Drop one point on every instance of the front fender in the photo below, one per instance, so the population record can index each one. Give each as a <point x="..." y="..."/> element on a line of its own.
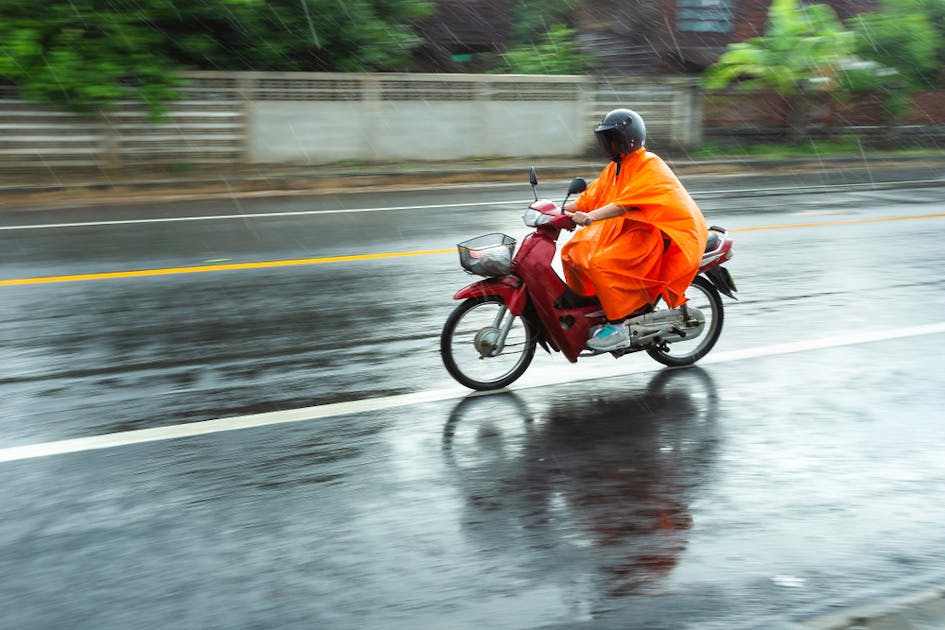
<point x="509" y="288"/>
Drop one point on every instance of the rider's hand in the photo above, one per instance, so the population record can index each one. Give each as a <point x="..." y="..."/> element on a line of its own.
<point x="581" y="218"/>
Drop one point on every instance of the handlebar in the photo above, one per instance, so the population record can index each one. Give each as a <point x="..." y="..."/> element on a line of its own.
<point x="563" y="222"/>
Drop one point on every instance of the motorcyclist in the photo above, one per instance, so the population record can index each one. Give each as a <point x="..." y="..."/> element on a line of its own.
<point x="643" y="235"/>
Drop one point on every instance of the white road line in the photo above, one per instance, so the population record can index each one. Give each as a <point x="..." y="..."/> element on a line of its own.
<point x="127" y="438"/>
<point x="263" y="215"/>
<point x="523" y="203"/>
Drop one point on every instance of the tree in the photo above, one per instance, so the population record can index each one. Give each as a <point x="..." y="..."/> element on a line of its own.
<point x="897" y="48"/>
<point x="88" y="54"/>
<point x="532" y="19"/>
<point x="81" y="54"/>
<point x="542" y="39"/>
<point x="935" y="10"/>
<point x="556" y="53"/>
<point x="800" y="52"/>
<point x="901" y="36"/>
<point x="286" y="35"/>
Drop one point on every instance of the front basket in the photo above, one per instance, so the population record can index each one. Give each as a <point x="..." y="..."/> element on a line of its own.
<point x="488" y="255"/>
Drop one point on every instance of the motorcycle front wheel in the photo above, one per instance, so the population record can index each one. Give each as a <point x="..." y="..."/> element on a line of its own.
<point x="703" y="296"/>
<point x="475" y="348"/>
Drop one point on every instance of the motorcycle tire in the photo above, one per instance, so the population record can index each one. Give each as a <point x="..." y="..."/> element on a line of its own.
<point x="466" y="326"/>
<point x="706" y="298"/>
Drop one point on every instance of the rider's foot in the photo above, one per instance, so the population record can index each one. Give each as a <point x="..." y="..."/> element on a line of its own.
<point x="613" y="336"/>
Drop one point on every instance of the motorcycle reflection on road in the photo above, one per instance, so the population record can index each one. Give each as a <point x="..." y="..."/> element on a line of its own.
<point x="593" y="489"/>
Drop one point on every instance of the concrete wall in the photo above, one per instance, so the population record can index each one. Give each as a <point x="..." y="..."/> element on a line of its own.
<point x="310" y="118"/>
<point x="425" y="130"/>
<point x="296" y="132"/>
<point x="434" y="117"/>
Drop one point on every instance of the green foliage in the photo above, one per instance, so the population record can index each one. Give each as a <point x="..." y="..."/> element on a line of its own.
<point x="841" y="146"/>
<point x="801" y="49"/>
<point x="80" y="53"/>
<point x="287" y="35"/>
<point x="934" y="13"/>
<point x="541" y="40"/>
<point x="556" y="53"/>
<point x="532" y="19"/>
<point x="902" y="39"/>
<point x="897" y="53"/>
<point x="88" y="54"/>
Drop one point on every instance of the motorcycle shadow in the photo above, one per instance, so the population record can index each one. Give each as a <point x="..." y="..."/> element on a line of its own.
<point x="595" y="488"/>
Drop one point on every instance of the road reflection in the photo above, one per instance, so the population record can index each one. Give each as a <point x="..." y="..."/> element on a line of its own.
<point x="595" y="490"/>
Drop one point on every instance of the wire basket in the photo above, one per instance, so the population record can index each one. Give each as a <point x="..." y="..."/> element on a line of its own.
<point x="487" y="255"/>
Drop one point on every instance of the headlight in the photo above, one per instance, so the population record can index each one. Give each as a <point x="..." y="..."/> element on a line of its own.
<point x="534" y="218"/>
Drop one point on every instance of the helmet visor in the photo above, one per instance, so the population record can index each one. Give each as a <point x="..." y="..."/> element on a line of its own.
<point x="613" y="142"/>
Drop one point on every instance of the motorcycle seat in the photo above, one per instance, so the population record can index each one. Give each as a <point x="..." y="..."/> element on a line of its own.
<point x="716" y="235"/>
<point x="714" y="239"/>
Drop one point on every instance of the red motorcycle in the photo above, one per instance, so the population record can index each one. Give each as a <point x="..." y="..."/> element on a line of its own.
<point x="489" y="340"/>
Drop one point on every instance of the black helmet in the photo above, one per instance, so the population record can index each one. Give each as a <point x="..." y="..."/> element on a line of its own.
<point x="620" y="132"/>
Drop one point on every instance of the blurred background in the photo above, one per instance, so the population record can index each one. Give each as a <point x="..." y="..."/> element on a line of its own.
<point x="107" y="85"/>
<point x="228" y="238"/>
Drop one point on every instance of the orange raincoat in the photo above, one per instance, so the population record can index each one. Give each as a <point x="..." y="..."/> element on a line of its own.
<point x="625" y="260"/>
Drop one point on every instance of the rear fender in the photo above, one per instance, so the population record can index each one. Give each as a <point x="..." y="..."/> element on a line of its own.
<point x="720" y="277"/>
<point x="509" y="288"/>
<point x="718" y="251"/>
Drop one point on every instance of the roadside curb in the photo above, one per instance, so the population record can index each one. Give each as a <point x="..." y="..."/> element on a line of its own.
<point x="293" y="179"/>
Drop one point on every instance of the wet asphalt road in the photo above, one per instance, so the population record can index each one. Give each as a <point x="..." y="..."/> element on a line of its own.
<point x="797" y="470"/>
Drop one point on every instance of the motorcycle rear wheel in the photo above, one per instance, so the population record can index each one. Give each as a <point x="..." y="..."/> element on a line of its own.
<point x="704" y="296"/>
<point x="461" y="345"/>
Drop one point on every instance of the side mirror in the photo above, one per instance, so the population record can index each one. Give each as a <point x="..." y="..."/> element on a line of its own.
<point x="533" y="180"/>
<point x="577" y="185"/>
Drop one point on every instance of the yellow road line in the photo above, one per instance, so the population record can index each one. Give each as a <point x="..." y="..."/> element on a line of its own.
<point x="789" y="226"/>
<point x="424" y="252"/>
<point x="227" y="267"/>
